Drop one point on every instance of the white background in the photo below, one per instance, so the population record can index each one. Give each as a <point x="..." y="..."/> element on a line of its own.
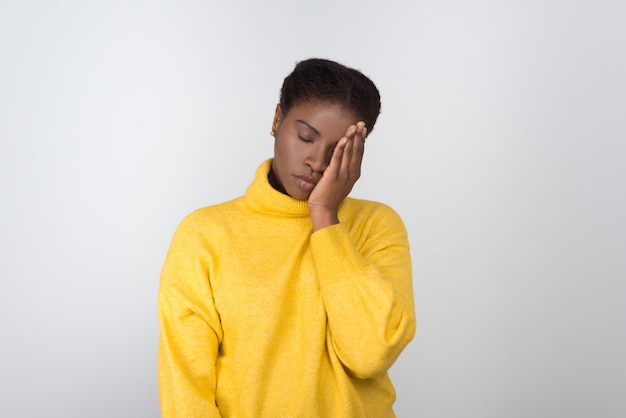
<point x="502" y="144"/>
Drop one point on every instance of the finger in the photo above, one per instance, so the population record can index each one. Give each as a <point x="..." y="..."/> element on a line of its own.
<point x="334" y="167"/>
<point x="339" y="153"/>
<point x="359" y="137"/>
<point x="356" y="151"/>
<point x="348" y="155"/>
<point x="350" y="131"/>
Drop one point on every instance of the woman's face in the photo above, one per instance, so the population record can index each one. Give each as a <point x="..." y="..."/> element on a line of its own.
<point x="305" y="139"/>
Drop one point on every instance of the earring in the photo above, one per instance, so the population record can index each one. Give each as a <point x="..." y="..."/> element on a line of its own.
<point x="273" y="132"/>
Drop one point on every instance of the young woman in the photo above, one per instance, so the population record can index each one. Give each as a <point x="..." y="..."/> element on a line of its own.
<point x="293" y="300"/>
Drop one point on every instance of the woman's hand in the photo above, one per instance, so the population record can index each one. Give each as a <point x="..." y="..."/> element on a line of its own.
<point x="342" y="173"/>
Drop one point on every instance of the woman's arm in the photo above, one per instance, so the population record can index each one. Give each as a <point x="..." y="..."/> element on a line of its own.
<point x="190" y="330"/>
<point x="187" y="353"/>
<point x="367" y="292"/>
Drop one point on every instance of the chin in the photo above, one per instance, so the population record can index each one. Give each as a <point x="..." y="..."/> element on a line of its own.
<point x="300" y="196"/>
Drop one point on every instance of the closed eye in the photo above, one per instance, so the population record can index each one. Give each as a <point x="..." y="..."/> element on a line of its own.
<point x="303" y="139"/>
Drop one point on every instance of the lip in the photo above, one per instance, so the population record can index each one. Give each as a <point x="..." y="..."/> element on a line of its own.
<point x="306" y="183"/>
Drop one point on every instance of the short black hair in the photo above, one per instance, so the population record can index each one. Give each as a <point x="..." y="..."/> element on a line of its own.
<point x="324" y="80"/>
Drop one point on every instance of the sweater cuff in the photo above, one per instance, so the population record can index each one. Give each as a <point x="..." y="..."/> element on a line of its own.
<point x="335" y="254"/>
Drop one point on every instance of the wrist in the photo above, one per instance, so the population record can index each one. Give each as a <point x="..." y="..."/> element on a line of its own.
<point x="323" y="217"/>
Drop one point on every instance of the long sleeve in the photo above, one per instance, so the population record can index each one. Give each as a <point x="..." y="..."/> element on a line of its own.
<point x="260" y="317"/>
<point x="367" y="291"/>
<point x="190" y="330"/>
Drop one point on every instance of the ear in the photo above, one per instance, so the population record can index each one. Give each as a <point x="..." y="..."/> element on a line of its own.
<point x="278" y="114"/>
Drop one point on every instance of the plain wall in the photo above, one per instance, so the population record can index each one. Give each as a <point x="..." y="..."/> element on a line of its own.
<point x="502" y="143"/>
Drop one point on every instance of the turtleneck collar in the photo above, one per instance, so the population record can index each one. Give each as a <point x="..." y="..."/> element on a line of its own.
<point x="262" y="197"/>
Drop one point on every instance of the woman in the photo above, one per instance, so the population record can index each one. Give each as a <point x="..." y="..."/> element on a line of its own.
<point x="293" y="300"/>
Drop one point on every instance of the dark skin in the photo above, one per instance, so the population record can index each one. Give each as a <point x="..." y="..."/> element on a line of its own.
<point x="317" y="157"/>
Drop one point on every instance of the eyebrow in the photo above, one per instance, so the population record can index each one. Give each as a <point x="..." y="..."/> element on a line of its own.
<point x="310" y="127"/>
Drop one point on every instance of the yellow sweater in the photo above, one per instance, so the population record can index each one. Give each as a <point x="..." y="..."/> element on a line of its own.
<point x="260" y="317"/>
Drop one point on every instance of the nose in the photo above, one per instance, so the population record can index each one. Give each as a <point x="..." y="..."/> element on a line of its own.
<point x="318" y="159"/>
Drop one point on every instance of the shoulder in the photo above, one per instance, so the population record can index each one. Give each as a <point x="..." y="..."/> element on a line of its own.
<point x="373" y="225"/>
<point x="210" y="216"/>
<point x="371" y="218"/>
<point x="362" y="208"/>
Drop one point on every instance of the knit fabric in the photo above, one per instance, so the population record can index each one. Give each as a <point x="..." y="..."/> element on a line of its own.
<point x="261" y="317"/>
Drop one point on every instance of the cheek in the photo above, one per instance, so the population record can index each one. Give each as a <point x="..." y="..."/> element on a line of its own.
<point x="284" y="156"/>
<point x="289" y="150"/>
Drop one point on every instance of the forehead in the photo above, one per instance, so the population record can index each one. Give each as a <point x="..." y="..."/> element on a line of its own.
<point x="326" y="117"/>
